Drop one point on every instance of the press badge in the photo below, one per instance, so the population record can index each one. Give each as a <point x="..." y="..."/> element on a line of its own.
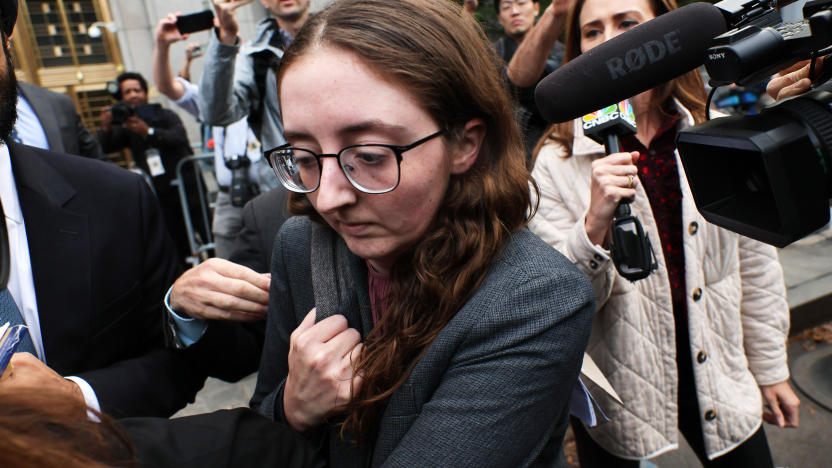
<point x="154" y="162"/>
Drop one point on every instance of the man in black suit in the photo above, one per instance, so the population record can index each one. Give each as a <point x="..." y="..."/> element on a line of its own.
<point x="55" y="116"/>
<point x="90" y="262"/>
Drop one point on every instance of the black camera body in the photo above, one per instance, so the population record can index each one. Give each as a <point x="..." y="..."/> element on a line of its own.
<point x="765" y="44"/>
<point x="121" y="111"/>
<point x="766" y="176"/>
<point x="241" y="189"/>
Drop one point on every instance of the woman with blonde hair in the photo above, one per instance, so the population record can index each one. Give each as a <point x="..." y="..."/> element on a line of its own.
<point x="414" y="320"/>
<point x="699" y="345"/>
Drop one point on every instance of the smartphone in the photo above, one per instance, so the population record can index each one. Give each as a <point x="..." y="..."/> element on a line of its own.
<point x="195" y="22"/>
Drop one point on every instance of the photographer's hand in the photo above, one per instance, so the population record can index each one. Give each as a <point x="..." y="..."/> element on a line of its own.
<point x="106" y="120"/>
<point x="166" y="31"/>
<point x="793" y="80"/>
<point x="227" y="20"/>
<point x="137" y="126"/>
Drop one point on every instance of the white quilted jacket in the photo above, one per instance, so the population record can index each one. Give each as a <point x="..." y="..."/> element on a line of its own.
<point x="738" y="316"/>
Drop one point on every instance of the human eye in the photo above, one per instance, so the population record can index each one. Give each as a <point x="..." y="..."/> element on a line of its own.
<point x="629" y="24"/>
<point x="299" y="157"/>
<point x="591" y="33"/>
<point x="371" y="155"/>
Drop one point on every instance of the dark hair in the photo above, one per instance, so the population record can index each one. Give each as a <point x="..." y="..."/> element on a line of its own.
<point x="688" y="89"/>
<point x="441" y="56"/>
<point x="40" y="428"/>
<point x="130" y="76"/>
<point x="497" y="5"/>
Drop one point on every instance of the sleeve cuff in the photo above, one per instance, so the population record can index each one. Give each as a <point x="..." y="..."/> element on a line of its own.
<point x="591" y="259"/>
<point x="221" y="49"/>
<point x="89" y="397"/>
<point x="186" y="331"/>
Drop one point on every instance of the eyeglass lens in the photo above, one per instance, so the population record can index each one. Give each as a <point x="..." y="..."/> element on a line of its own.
<point x="369" y="168"/>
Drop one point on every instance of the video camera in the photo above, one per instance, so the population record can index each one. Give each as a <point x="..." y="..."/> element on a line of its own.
<point x="122" y="111"/>
<point x="765" y="176"/>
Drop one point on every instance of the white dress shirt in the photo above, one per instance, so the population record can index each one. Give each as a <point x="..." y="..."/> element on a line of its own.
<point x="28" y="127"/>
<point x="21" y="283"/>
<point x="235" y="139"/>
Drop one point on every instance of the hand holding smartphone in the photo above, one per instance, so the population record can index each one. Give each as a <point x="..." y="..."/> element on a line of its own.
<point x="195" y="22"/>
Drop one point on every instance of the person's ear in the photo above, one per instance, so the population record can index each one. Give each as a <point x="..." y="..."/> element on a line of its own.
<point x="467" y="150"/>
<point x="536" y="9"/>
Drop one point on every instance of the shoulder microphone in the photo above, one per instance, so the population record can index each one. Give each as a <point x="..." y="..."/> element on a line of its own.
<point x="631" y="250"/>
<point x="648" y="55"/>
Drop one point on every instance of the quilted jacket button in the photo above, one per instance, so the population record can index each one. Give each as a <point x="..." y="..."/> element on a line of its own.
<point x="693" y="228"/>
<point x="701" y="357"/>
<point x="697" y="294"/>
<point x="710" y="415"/>
<point x="597" y="257"/>
<point x="593" y="264"/>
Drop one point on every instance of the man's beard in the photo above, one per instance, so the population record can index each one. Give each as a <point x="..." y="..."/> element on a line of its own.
<point x="8" y="100"/>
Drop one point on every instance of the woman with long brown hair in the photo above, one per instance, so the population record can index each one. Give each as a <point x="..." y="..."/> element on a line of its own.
<point x="42" y="428"/>
<point x="696" y="344"/>
<point x="413" y="320"/>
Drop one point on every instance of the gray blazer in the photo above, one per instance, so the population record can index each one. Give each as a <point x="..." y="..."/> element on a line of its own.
<point x="63" y="127"/>
<point x="492" y="389"/>
<point x="228" y="89"/>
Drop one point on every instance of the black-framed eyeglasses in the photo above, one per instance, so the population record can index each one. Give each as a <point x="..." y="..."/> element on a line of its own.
<point x="370" y="168"/>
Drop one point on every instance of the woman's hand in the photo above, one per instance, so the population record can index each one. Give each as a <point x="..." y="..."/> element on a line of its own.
<point x="321" y="359"/>
<point x="614" y="178"/>
<point x="781" y="404"/>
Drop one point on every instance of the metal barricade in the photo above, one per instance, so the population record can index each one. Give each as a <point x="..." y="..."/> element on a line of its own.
<point x="201" y="241"/>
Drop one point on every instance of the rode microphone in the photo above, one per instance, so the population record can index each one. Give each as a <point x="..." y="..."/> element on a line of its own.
<point x="642" y="58"/>
<point x="631" y="250"/>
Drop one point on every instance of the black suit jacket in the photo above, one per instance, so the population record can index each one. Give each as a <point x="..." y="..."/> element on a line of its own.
<point x="64" y="130"/>
<point x="262" y="217"/>
<point x="101" y="263"/>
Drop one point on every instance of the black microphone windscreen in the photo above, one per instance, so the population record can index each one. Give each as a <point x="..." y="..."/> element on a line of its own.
<point x="640" y="59"/>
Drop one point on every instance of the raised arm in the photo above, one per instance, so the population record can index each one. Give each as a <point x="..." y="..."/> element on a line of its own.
<point x="227" y="90"/>
<point x="166" y="34"/>
<point x="529" y="61"/>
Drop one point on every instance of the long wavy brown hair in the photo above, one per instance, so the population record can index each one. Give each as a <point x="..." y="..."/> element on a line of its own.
<point x="40" y="428"/>
<point x="688" y="89"/>
<point x="441" y="56"/>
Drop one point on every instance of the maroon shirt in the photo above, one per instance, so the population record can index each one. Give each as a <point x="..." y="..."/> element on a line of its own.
<point x="380" y="287"/>
<point x="659" y="175"/>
